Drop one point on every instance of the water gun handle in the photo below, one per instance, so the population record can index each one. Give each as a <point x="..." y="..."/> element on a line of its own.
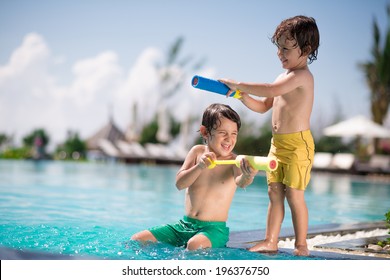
<point x="257" y="162"/>
<point x="215" y="86"/>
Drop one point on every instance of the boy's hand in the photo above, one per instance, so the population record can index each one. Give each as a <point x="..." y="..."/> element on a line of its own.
<point x="243" y="96"/>
<point x="246" y="169"/>
<point x="248" y="173"/>
<point x="231" y="84"/>
<point x="206" y="159"/>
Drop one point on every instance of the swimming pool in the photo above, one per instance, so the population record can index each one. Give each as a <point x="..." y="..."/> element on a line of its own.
<point x="91" y="209"/>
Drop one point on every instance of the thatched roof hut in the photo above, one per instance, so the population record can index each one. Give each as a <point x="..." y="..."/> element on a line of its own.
<point x="103" y="138"/>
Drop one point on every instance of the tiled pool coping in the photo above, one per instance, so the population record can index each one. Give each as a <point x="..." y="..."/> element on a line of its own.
<point x="345" y="250"/>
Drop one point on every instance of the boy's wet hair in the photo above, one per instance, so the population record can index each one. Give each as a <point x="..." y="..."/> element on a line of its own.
<point x="213" y="114"/>
<point x="304" y="30"/>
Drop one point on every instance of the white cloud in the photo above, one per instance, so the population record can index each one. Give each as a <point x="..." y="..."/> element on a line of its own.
<point x="32" y="54"/>
<point x="31" y="98"/>
<point x="25" y="84"/>
<point x="141" y="86"/>
<point x="97" y="77"/>
<point x="26" y="70"/>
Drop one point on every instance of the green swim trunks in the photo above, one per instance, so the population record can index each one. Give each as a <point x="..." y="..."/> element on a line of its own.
<point x="179" y="233"/>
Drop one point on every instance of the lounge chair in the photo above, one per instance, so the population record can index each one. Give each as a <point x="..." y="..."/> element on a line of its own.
<point x="108" y="148"/>
<point x="343" y="162"/>
<point x="322" y="161"/>
<point x="132" y="150"/>
<point x="376" y="164"/>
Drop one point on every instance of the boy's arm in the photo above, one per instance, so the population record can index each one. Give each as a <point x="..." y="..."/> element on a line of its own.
<point x="259" y="106"/>
<point x="283" y="84"/>
<point x="192" y="168"/>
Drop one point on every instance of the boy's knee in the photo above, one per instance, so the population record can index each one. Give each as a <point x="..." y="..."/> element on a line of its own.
<point x="276" y="191"/>
<point x="199" y="241"/>
<point x="135" y="236"/>
<point x="143" y="236"/>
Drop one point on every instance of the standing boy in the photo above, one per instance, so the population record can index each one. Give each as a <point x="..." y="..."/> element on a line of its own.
<point x="291" y="96"/>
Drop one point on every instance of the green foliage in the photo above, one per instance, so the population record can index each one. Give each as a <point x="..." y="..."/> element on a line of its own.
<point x="332" y="145"/>
<point x="3" y="139"/>
<point x="254" y="145"/>
<point x="73" y="147"/>
<point x="387" y="241"/>
<point x="249" y="143"/>
<point x="175" y="127"/>
<point x="7" y="152"/>
<point x="29" y="140"/>
<point x="16" y="153"/>
<point x="37" y="142"/>
<point x="387" y="215"/>
<point x="149" y="132"/>
<point x="377" y="72"/>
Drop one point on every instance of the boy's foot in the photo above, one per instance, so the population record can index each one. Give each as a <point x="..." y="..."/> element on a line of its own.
<point x="264" y="247"/>
<point x="301" y="250"/>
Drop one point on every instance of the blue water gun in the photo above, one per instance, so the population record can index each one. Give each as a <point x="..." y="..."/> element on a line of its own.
<point x="215" y="86"/>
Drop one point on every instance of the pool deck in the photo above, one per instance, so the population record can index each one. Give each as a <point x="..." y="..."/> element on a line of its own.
<point x="345" y="250"/>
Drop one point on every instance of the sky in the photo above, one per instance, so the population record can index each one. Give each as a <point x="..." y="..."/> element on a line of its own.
<point x="71" y="65"/>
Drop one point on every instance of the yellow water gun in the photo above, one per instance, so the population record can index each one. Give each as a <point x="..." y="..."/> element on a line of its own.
<point x="257" y="162"/>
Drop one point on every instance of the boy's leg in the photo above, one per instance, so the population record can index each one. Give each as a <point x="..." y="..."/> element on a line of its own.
<point x="300" y="219"/>
<point x="144" y="236"/>
<point x="210" y="234"/>
<point x="198" y="241"/>
<point x="275" y="216"/>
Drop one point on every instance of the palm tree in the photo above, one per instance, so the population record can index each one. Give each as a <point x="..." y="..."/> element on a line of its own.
<point x="172" y="76"/>
<point x="377" y="73"/>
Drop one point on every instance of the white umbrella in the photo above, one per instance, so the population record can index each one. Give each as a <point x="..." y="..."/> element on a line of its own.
<point x="357" y="126"/>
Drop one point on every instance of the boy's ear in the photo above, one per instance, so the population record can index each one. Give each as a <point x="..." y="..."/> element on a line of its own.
<point x="306" y="50"/>
<point x="203" y="131"/>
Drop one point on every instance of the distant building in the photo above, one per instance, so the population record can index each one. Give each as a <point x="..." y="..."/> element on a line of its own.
<point x="101" y="145"/>
<point x="110" y="143"/>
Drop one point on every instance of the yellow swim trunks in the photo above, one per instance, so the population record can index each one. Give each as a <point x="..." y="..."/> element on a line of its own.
<point x="295" y="154"/>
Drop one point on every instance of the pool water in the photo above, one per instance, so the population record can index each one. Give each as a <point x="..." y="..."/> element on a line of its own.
<point x="91" y="209"/>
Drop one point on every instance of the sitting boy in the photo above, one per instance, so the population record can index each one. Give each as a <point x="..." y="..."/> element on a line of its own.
<point x="209" y="192"/>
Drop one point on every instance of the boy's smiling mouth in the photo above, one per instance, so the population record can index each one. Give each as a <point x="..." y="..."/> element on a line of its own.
<point x="226" y="147"/>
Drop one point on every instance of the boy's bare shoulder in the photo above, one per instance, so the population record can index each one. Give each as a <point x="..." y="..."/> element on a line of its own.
<point x="303" y="77"/>
<point x="296" y="74"/>
<point x="198" y="148"/>
<point x="304" y="73"/>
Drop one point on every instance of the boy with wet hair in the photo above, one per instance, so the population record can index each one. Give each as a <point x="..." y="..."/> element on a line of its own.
<point x="291" y="97"/>
<point x="209" y="192"/>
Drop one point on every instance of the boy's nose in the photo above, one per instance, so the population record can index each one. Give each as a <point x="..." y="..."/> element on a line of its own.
<point x="229" y="138"/>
